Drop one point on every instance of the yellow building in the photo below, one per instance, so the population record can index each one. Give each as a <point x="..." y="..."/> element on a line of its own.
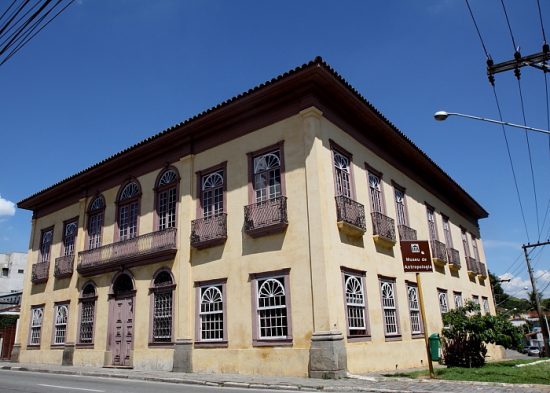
<point x="258" y="237"/>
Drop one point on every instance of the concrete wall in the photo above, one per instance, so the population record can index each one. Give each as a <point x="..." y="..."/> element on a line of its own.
<point x="16" y="263"/>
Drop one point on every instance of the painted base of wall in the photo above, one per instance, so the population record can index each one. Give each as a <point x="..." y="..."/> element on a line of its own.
<point x="327" y="355"/>
<point x="183" y="356"/>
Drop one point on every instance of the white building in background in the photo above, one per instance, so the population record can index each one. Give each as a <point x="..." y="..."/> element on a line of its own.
<point x="12" y="272"/>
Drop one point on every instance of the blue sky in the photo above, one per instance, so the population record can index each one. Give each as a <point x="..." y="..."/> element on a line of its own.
<point x="107" y="74"/>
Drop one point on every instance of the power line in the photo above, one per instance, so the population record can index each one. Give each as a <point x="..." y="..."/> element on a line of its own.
<point x="509" y="26"/>
<point x="541" y="24"/>
<point x="477" y="29"/>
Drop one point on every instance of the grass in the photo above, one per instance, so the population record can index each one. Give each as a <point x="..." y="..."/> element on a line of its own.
<point x="492" y="372"/>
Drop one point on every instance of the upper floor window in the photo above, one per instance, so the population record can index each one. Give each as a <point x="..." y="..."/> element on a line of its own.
<point x="474" y="247"/>
<point x="212" y="324"/>
<point x="212" y="193"/>
<point x="46" y="245"/>
<point x="356" y="305"/>
<point x="163" y="300"/>
<point x="400" y="207"/>
<point x="61" y="313"/>
<point x="87" y="314"/>
<point x="69" y="237"/>
<point x="447" y="232"/>
<point x="128" y="211"/>
<point x="267" y="176"/>
<point x="432" y="227"/>
<point x="167" y="195"/>
<point x="458" y="299"/>
<point x="342" y="174"/>
<point x="414" y="309"/>
<point x="389" y="307"/>
<point x="375" y="192"/>
<point x="465" y="243"/>
<point x="36" y="325"/>
<point x="95" y="222"/>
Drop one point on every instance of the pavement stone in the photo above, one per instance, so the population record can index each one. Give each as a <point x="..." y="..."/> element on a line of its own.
<point x="371" y="383"/>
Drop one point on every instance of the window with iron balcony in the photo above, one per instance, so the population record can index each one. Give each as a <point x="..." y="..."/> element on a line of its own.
<point x="453" y="256"/>
<point x="405" y="231"/>
<point x="383" y="227"/>
<point x="439" y="250"/>
<point x="64" y="263"/>
<point x="40" y="270"/>
<point x="350" y="215"/>
<point x="266" y="214"/>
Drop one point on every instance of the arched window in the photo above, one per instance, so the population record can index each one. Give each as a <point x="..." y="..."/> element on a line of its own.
<point x="69" y="236"/>
<point x="267" y="176"/>
<point x="355" y="305"/>
<point x="414" y="309"/>
<point x="272" y="308"/>
<point x="212" y="187"/>
<point x="36" y="325"/>
<point x="389" y="308"/>
<point x="60" y="323"/>
<point x="128" y="211"/>
<point x="45" y="245"/>
<point x="166" y="189"/>
<point x="162" y="308"/>
<point x="87" y="314"/>
<point x="95" y="222"/>
<point x="211" y="319"/>
<point x="443" y="303"/>
<point x="342" y="174"/>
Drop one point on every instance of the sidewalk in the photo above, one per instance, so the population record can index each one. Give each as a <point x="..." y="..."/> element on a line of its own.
<point x="375" y="383"/>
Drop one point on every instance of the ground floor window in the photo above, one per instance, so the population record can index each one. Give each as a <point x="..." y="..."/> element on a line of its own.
<point x="356" y="304"/>
<point x="36" y="325"/>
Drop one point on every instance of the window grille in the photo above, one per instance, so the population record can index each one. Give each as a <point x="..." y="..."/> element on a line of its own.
<point x="400" y="207"/>
<point x="211" y="313"/>
<point x="375" y="193"/>
<point x="267" y="176"/>
<point x="36" y="325"/>
<point x="355" y="306"/>
<point x="443" y="303"/>
<point x="458" y="299"/>
<point x="69" y="238"/>
<point x="45" y="245"/>
<point x="342" y="174"/>
<point x="414" y="309"/>
<point x="87" y="311"/>
<point x="212" y="194"/>
<point x="61" y="315"/>
<point x="272" y="309"/>
<point x="168" y="177"/>
<point x="389" y="308"/>
<point x="131" y="190"/>
<point x="162" y="308"/>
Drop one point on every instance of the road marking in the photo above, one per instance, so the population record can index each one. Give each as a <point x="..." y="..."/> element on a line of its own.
<point x="68" y="387"/>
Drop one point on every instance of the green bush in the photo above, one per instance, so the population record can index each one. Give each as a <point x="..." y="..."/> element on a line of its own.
<point x="467" y="332"/>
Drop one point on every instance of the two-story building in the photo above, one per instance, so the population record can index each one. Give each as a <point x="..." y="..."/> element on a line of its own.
<point x="260" y="236"/>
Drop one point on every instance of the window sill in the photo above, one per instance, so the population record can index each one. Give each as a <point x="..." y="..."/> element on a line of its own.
<point x="33" y="347"/>
<point x="210" y="344"/>
<point x="57" y="346"/>
<point x="283" y="342"/>
<point x="355" y="339"/>
<point x="415" y="336"/>
<point x="166" y="344"/>
<point x="85" y="346"/>
<point x="394" y="338"/>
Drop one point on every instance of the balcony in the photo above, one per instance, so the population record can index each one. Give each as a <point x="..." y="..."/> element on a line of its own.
<point x="383" y="230"/>
<point x="141" y="250"/>
<point x="350" y="216"/>
<point x="482" y="270"/>
<point x="40" y="272"/>
<point x="406" y="233"/>
<point x="453" y="258"/>
<point x="266" y="217"/>
<point x="439" y="253"/>
<point x="472" y="266"/>
<point x="63" y="266"/>
<point x="209" y="231"/>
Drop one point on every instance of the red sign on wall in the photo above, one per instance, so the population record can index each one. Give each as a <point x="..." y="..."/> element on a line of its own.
<point x="416" y="256"/>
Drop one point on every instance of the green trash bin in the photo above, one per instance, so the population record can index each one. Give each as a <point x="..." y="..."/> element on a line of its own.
<point x="435" y="344"/>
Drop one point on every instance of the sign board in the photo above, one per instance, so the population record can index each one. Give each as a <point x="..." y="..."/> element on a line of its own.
<point x="416" y="256"/>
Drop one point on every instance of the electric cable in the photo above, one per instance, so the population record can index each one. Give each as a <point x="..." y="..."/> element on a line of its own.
<point x="509" y="26"/>
<point x="7" y="9"/>
<point x="477" y="29"/>
<point x="541" y="24"/>
<point x="13" y="16"/>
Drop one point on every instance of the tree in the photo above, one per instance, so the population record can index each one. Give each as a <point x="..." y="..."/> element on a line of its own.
<point x="500" y="296"/>
<point x="467" y="332"/>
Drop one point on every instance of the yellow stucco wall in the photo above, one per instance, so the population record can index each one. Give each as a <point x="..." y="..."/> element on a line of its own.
<point x="312" y="248"/>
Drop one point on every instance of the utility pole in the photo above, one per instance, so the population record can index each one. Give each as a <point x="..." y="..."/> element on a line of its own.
<point x="543" y="326"/>
<point x="537" y="60"/>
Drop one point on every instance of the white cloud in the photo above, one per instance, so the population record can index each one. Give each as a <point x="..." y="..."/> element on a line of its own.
<point x="7" y="208"/>
<point x="516" y="286"/>
<point x="488" y="243"/>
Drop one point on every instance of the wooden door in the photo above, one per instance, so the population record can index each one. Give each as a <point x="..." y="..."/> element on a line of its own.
<point x="123" y="331"/>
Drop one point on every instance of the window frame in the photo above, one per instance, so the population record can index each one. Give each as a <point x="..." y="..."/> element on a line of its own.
<point x="405" y="210"/>
<point x="447" y="233"/>
<point x="485" y="308"/>
<point x="90" y="299"/>
<point x="99" y="215"/>
<point x="465" y="243"/>
<point x="442" y="294"/>
<point x="416" y="310"/>
<point x="154" y="291"/>
<point x="66" y="224"/>
<point x="30" y="343"/>
<point x="389" y="336"/>
<point x="458" y="296"/>
<point x="128" y="203"/>
<point x="251" y="156"/>
<point x="204" y="173"/>
<point x="43" y="233"/>
<point x="474" y="247"/>
<point x="379" y="176"/>
<point x="56" y="325"/>
<point x="210" y="343"/>
<point x="361" y="276"/>
<point x="166" y="188"/>
<point x="255" y="278"/>
<point x="336" y="149"/>
<point x="432" y="229"/>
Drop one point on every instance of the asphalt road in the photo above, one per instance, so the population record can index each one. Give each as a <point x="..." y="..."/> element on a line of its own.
<point x="29" y="382"/>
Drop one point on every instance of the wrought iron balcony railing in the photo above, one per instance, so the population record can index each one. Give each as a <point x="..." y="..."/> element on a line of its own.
<point x="40" y="272"/>
<point x="453" y="257"/>
<point x="383" y="226"/>
<point x="406" y="233"/>
<point x="350" y="216"/>
<point x="472" y="265"/>
<point x="265" y="217"/>
<point x="63" y="266"/>
<point x="439" y="251"/>
<point x="482" y="269"/>
<point x="140" y="250"/>
<point x="209" y="231"/>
